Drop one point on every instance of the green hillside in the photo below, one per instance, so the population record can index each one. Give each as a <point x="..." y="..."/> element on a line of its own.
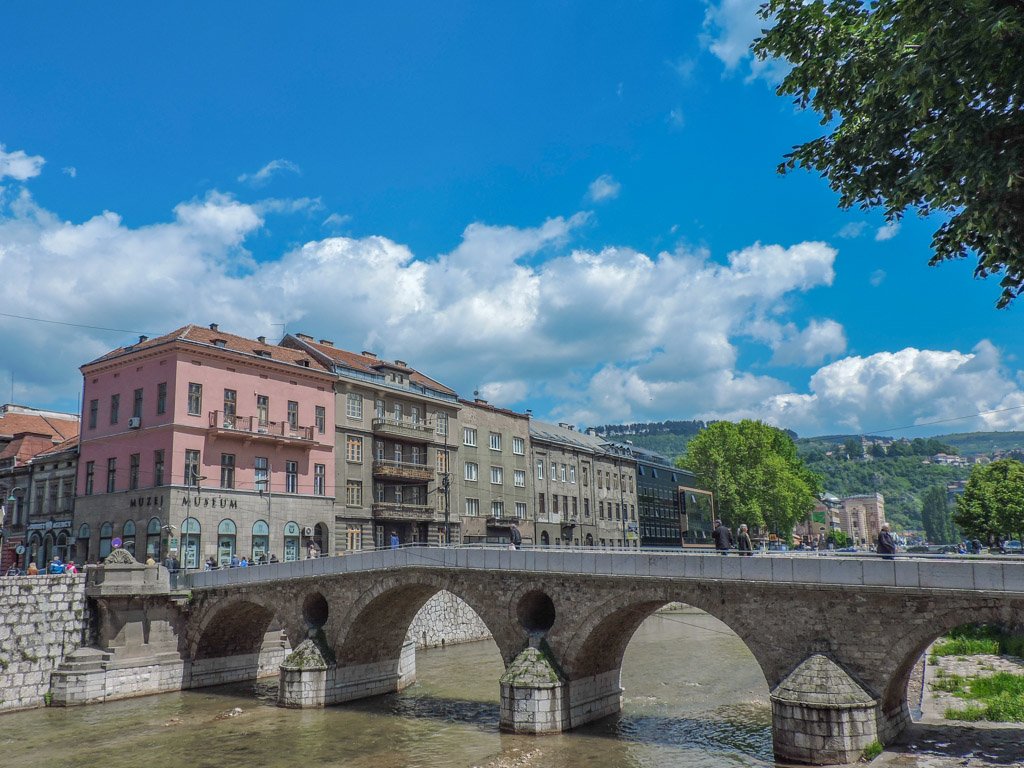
<point x="984" y="443"/>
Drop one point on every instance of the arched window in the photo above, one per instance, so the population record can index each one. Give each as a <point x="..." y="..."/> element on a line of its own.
<point x="62" y="549"/>
<point x="36" y="551"/>
<point x="320" y="539"/>
<point x="106" y="534"/>
<point x="544" y="538"/>
<point x="226" y="536"/>
<point x="291" y="541"/>
<point x="153" y="539"/>
<point x="590" y="540"/>
<point x="128" y="537"/>
<point x="191" y="538"/>
<point x="260" y="541"/>
<point x="82" y="544"/>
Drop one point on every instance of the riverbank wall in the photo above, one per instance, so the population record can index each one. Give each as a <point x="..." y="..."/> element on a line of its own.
<point x="42" y="619"/>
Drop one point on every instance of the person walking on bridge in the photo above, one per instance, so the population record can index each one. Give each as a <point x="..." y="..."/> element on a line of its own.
<point x="886" y="543"/>
<point x="723" y="537"/>
<point x="743" y="542"/>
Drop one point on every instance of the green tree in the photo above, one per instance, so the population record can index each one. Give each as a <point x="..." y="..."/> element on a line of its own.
<point x="993" y="501"/>
<point x="839" y="539"/>
<point x="755" y="474"/>
<point x="854" y="448"/>
<point x="924" y="104"/>
<point x="935" y="516"/>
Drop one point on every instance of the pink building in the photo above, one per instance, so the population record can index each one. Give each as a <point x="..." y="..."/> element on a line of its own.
<point x="208" y="444"/>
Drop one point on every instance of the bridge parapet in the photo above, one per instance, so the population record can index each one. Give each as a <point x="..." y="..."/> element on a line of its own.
<point x="912" y="573"/>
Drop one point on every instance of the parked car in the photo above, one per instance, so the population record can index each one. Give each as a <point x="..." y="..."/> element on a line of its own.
<point x="1013" y="547"/>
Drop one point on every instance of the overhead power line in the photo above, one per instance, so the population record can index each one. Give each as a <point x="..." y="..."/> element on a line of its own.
<point x="74" y="325"/>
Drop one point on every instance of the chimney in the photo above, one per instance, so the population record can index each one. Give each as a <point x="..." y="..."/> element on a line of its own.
<point x="480" y="400"/>
<point x="143" y="338"/>
<point x="261" y="339"/>
<point x="213" y="327"/>
<point x="401" y="363"/>
<point x="327" y="342"/>
<point x="367" y="353"/>
<point x="304" y="336"/>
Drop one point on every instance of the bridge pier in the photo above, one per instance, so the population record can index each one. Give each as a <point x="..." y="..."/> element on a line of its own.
<point x="310" y="677"/>
<point x="822" y="716"/>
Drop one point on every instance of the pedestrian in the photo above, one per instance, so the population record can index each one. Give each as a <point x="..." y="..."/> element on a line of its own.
<point x="515" y="537"/>
<point x="234" y="561"/>
<point x="743" y="542"/>
<point x="150" y="560"/>
<point x="273" y="558"/>
<point x="886" y="544"/>
<point x="33" y="570"/>
<point x="71" y="568"/>
<point x="56" y="566"/>
<point x="244" y="563"/>
<point x="723" y="537"/>
<point x="171" y="561"/>
<point x="395" y="541"/>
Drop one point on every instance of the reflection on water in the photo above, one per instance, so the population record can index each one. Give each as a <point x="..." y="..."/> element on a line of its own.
<point x="694" y="697"/>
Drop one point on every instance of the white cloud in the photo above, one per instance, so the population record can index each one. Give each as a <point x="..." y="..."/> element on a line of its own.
<point x="676" y="119"/>
<point x="262" y="176"/>
<point x="819" y="341"/>
<point x="887" y="232"/>
<point x="337" y="220"/>
<point x="852" y="230"/>
<point x="604" y="187"/>
<point x="18" y="165"/>
<point x="730" y="27"/>
<point x="877" y="277"/>
<point x="609" y="334"/>
<point x="69" y="170"/>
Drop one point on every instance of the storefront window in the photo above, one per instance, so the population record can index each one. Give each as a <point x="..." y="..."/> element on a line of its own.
<point x="226" y="534"/>
<point x="128" y="537"/>
<point x="260" y="541"/>
<point x="291" y="541"/>
<point x="153" y="539"/>
<point x="106" y="534"/>
<point x="191" y="538"/>
<point x="82" y="544"/>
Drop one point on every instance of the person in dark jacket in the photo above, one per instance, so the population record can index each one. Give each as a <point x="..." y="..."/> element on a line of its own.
<point x="515" y="537"/>
<point x="886" y="543"/>
<point x="723" y="537"/>
<point x="743" y="542"/>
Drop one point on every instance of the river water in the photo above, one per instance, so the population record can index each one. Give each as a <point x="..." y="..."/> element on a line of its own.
<point x="694" y="696"/>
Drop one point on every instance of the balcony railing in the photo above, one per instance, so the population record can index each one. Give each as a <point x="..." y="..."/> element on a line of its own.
<point x="502" y="522"/>
<point x="397" y="510"/>
<point x="250" y="427"/>
<point x="419" y="431"/>
<point x="402" y="471"/>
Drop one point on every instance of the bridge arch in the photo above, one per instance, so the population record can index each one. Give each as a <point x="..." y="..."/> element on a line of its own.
<point x="237" y="626"/>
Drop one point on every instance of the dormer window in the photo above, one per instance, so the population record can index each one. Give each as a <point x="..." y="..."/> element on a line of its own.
<point x="262" y="353"/>
<point x="220" y="342"/>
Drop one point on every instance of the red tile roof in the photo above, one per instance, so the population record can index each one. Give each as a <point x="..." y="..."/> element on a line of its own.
<point x="71" y="442"/>
<point x="217" y="338"/>
<point x="368" y="364"/>
<point x="12" y="424"/>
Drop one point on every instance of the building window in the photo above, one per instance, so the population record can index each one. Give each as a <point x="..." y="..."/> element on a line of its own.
<point x="472" y="507"/>
<point x="563" y="475"/>
<point x="600" y="509"/>
<point x="468" y="436"/>
<point x="497" y="509"/>
<point x="354" y="405"/>
<point x="106" y="534"/>
<point x="414" y="414"/>
<point x="354" y="493"/>
<point x="495" y="441"/>
<point x="586" y="477"/>
<point x="293" y="414"/>
<point x="442" y="461"/>
<point x="111" y="474"/>
<point x="496" y="475"/>
<point x="378" y="409"/>
<point x="319" y="479"/>
<point x="554" y="503"/>
<point x="521" y="510"/>
<point x="396" y="411"/>
<point x="137" y="404"/>
<point x="554" y="471"/>
<point x="354" y="539"/>
<point x="291" y="541"/>
<point x="632" y="512"/>
<point x="115" y="407"/>
<point x="161" y="398"/>
<point x="158" y="467"/>
<point x="94" y="409"/>
<point x="227" y="470"/>
<point x="261" y="473"/>
<point x="320" y="417"/>
<point x="442" y="423"/>
<point x="354" y="449"/>
<point x="263" y="410"/>
<point x="540" y="504"/>
<point x="260" y="541"/>
<point x="572" y="473"/>
<point x="586" y="507"/>
<point x="518" y="446"/>
<point x="90" y="476"/>
<point x="291" y="477"/>
<point x="195" y="398"/>
<point x="191" y="468"/>
<point x="472" y="471"/>
<point x="600" y="483"/>
<point x="230" y="407"/>
<point x="128" y="536"/>
<point x="519" y="478"/>
<point x="133" y="472"/>
<point x="540" y="469"/>
<point x="574" y="512"/>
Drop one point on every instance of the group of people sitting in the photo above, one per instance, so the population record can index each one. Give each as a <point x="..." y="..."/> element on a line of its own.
<point x="56" y="566"/>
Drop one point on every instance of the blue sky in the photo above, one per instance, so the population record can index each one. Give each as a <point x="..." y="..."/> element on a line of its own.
<point x="570" y="207"/>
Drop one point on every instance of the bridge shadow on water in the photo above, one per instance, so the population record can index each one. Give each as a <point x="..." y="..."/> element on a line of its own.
<point x="990" y="744"/>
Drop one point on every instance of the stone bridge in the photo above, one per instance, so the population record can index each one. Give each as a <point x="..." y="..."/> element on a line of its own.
<point x="836" y="637"/>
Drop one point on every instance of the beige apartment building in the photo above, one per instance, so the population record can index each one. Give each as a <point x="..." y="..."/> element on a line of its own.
<point x="585" y="488"/>
<point x="867" y="512"/>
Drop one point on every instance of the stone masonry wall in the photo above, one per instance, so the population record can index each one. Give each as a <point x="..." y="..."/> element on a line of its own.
<point x="445" y="619"/>
<point x="42" y="618"/>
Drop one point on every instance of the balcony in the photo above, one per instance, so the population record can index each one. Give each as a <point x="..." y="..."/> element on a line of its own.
<point x="403" y="429"/>
<point x="249" y="428"/>
<point x="396" y="510"/>
<point x="502" y="522"/>
<point x="402" y="472"/>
